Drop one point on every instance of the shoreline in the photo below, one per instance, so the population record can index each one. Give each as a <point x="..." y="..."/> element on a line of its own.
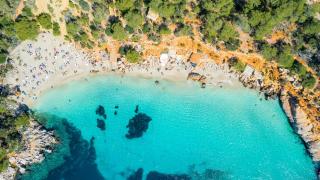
<point x="47" y="73"/>
<point x="85" y="76"/>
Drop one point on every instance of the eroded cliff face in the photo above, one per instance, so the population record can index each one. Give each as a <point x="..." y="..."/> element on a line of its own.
<point x="308" y="129"/>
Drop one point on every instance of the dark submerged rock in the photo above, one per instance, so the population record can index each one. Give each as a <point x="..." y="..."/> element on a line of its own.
<point x="214" y="174"/>
<point x="137" y="109"/>
<point x="115" y="113"/>
<point x="203" y="85"/>
<point x="101" y="111"/>
<point x="116" y="107"/>
<point x="137" y="175"/>
<point x="138" y="125"/>
<point x="101" y="124"/>
<point x="154" y="175"/>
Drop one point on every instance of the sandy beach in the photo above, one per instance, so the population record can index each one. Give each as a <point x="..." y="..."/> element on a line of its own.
<point x="49" y="61"/>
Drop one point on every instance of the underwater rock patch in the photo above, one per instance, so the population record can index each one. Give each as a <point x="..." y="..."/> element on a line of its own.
<point x="137" y="175"/>
<point x="101" y="124"/>
<point x="154" y="175"/>
<point x="101" y="112"/>
<point x="74" y="158"/>
<point x="214" y="174"/>
<point x="137" y="109"/>
<point x="138" y="125"/>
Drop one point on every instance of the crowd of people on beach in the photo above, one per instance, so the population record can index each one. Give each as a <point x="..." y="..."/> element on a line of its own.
<point x="49" y="61"/>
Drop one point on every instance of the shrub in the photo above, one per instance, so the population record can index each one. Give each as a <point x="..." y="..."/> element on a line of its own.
<point x="134" y="19"/>
<point x="56" y="29"/>
<point x="100" y="12"/>
<point x="308" y="81"/>
<point x="285" y="60"/>
<point x="130" y="53"/>
<point x="299" y="69"/>
<point x="133" y="56"/>
<point x="21" y="121"/>
<point x="228" y="32"/>
<point x="84" y="5"/>
<point x="26" y="29"/>
<point x="146" y="28"/>
<point x="3" y="58"/>
<point x="183" y="30"/>
<point x="236" y="64"/>
<point x="269" y="52"/>
<point x="124" y="5"/>
<point x="232" y="44"/>
<point x="154" y="37"/>
<point x="44" y="20"/>
<point x="118" y="32"/>
<point x="26" y="12"/>
<point x="73" y="28"/>
<point x="129" y="29"/>
<point x="163" y="29"/>
<point x="4" y="164"/>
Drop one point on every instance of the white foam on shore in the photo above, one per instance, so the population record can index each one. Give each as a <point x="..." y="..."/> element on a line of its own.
<point x="50" y="61"/>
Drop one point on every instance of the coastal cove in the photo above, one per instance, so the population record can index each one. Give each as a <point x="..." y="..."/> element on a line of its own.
<point x="228" y="132"/>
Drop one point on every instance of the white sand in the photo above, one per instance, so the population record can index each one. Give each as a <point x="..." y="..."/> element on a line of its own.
<point x="50" y="61"/>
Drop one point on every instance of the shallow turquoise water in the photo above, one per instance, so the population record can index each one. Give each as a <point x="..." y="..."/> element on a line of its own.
<point x="230" y="131"/>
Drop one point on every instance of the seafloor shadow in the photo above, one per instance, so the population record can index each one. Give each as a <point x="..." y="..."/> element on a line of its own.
<point x="207" y="174"/>
<point x="73" y="159"/>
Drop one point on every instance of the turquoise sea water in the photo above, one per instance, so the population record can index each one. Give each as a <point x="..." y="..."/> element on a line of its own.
<point x="232" y="133"/>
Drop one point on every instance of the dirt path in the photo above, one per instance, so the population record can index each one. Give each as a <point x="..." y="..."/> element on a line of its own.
<point x="19" y="8"/>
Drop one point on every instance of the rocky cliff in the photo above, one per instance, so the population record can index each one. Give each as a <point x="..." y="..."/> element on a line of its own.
<point x="307" y="128"/>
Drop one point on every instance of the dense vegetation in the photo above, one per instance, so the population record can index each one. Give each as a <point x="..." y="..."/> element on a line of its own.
<point x="13" y="119"/>
<point x="222" y="21"/>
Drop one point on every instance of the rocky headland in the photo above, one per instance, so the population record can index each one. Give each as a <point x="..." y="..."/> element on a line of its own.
<point x="34" y="140"/>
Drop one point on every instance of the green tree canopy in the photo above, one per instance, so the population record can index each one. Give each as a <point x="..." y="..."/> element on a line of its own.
<point x="44" y="20"/>
<point x="124" y="5"/>
<point x="228" y="32"/>
<point x="56" y="29"/>
<point x="134" y="19"/>
<point x="26" y="29"/>
<point x="269" y="52"/>
<point x="130" y="53"/>
<point x="285" y="59"/>
<point x="163" y="29"/>
<point x="183" y="30"/>
<point x="117" y="31"/>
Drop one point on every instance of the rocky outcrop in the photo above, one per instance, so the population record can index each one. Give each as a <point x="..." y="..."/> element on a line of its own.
<point x="304" y="126"/>
<point x="196" y="77"/>
<point x="36" y="141"/>
<point x="253" y="79"/>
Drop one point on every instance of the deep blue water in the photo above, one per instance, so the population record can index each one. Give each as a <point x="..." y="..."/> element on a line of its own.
<point x="197" y="133"/>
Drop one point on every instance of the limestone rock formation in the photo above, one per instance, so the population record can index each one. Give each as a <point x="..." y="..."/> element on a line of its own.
<point x="308" y="129"/>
